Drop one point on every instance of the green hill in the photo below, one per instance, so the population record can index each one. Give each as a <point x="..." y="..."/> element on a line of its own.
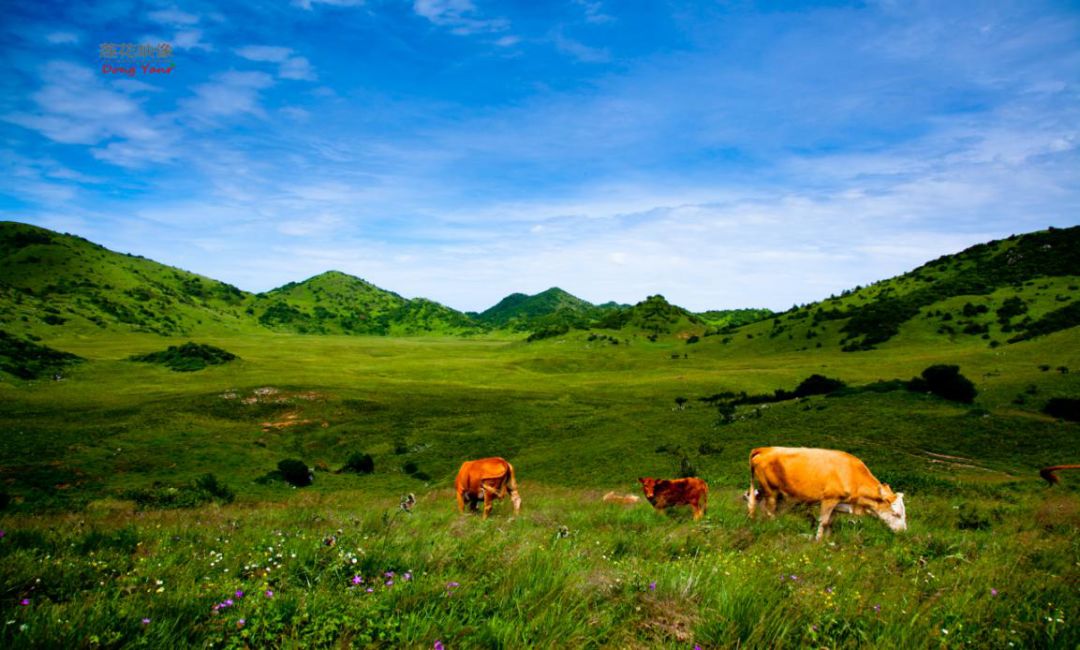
<point x="997" y="293"/>
<point x="551" y="308"/>
<point x="50" y="281"/>
<point x="654" y="317"/>
<point x="734" y="317"/>
<point x="338" y="303"/>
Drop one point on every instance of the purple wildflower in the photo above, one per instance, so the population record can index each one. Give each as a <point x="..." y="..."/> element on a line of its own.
<point x="794" y="577"/>
<point x="241" y="623"/>
<point x="357" y="580"/>
<point x="239" y="593"/>
<point x="877" y="608"/>
<point x="452" y="585"/>
<point x="828" y="590"/>
<point x="146" y="621"/>
<point x="438" y="645"/>
<point x="406" y="576"/>
<point x="652" y="586"/>
<point x="269" y="594"/>
<point x="370" y="590"/>
<point x="2" y="533"/>
<point x="389" y="583"/>
<point x="388" y="574"/>
<point x="24" y="602"/>
<point x="229" y="602"/>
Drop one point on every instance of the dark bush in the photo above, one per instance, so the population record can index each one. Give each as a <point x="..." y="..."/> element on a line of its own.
<point x="295" y="472"/>
<point x="209" y="483"/>
<point x="5" y="500"/>
<point x="409" y="467"/>
<point x="818" y="385"/>
<point x="1066" y="408"/>
<point x="188" y="357"/>
<point x="947" y="382"/>
<point x="359" y="463"/>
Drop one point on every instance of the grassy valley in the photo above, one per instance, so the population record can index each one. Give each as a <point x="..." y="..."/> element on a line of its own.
<point x="112" y="528"/>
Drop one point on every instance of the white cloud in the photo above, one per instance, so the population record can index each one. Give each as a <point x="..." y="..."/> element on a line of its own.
<point x="75" y="106"/>
<point x="580" y="51"/>
<point x="269" y="53"/>
<point x="191" y="39"/>
<point x="228" y="94"/>
<point x="289" y="66"/>
<point x="173" y="17"/>
<point x="62" y="38"/>
<point x="460" y="16"/>
<point x="297" y="68"/>
<point x="308" y="4"/>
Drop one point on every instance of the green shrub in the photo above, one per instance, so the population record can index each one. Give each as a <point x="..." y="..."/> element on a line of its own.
<point x="295" y="472"/>
<point x="188" y="357"/>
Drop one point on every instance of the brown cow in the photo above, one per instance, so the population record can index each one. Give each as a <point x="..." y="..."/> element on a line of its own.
<point x="835" y="479"/>
<point x="662" y="493"/>
<point x="1048" y="473"/>
<point x="487" y="479"/>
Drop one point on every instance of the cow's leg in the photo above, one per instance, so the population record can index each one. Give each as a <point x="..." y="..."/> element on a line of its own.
<point x="770" y="504"/>
<point x="825" y="519"/>
<point x="751" y="501"/>
<point x="460" y="502"/>
<point x="698" y="510"/>
<point x="487" y="499"/>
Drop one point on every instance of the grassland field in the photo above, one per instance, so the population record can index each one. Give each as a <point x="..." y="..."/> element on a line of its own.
<point x="991" y="557"/>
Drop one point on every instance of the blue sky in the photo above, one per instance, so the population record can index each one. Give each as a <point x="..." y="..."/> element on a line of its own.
<point x="725" y="155"/>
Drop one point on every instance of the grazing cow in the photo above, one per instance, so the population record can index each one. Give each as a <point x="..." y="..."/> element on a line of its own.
<point x="487" y="479"/>
<point x="627" y="499"/>
<point x="662" y="493"/>
<point x="1048" y="473"/>
<point x="835" y="479"/>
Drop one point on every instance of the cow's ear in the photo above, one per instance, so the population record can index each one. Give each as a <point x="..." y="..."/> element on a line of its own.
<point x="641" y="480"/>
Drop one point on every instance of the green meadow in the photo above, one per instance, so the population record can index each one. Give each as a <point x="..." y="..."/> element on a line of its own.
<point x="97" y="551"/>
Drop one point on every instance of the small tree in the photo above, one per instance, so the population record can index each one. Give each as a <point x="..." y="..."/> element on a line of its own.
<point x="359" y="463"/>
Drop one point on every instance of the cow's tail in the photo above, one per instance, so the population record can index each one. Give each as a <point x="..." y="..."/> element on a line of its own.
<point x="511" y="485"/>
<point x="751" y="495"/>
<point x="1048" y="472"/>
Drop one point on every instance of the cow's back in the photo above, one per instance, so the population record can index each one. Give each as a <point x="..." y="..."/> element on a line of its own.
<point x="474" y="472"/>
<point x="808" y="474"/>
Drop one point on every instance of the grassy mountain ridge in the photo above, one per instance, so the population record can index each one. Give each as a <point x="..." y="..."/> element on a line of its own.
<point x="49" y="280"/>
<point x="999" y="292"/>
<point x="337" y="303"/>
<point x="521" y="312"/>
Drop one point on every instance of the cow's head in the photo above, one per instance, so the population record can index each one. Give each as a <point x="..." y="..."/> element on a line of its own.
<point x="891" y="509"/>
<point x="649" y="486"/>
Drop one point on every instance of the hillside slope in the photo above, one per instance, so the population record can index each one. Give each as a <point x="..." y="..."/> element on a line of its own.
<point x="553" y="307"/>
<point x="49" y="280"/>
<point x="998" y="293"/>
<point x="338" y="303"/>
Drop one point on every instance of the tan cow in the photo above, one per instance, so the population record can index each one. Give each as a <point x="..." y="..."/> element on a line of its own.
<point x="487" y="479"/>
<point x="625" y="499"/>
<point x="835" y="479"/>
